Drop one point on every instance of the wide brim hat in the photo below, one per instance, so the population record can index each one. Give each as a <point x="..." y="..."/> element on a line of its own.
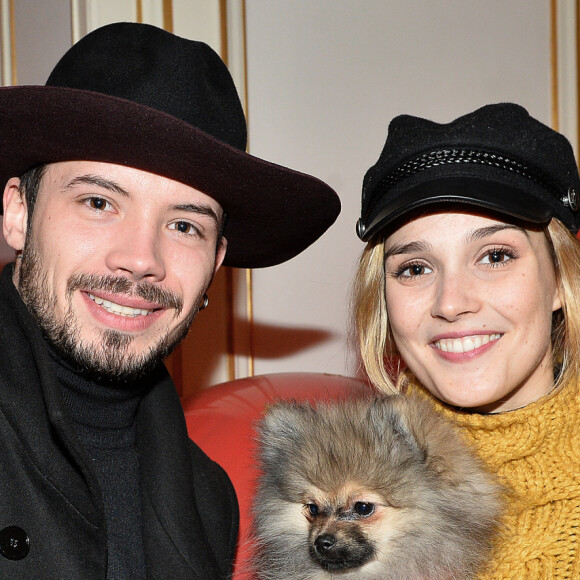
<point x="136" y="95"/>
<point x="497" y="158"/>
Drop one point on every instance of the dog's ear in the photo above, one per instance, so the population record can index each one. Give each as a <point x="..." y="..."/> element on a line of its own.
<point x="389" y="414"/>
<point x="282" y="428"/>
<point x="444" y="451"/>
<point x="284" y="419"/>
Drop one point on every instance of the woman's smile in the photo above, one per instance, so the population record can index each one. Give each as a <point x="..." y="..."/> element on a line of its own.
<point x="470" y="302"/>
<point x="465" y="344"/>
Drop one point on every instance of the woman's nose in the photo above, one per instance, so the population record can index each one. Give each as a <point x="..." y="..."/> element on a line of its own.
<point x="456" y="295"/>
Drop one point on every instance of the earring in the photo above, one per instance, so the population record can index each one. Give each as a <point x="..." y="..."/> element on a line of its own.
<point x="204" y="303"/>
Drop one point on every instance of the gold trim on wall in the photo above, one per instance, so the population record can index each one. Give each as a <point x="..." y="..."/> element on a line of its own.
<point x="564" y="65"/>
<point x="245" y="37"/>
<point x="578" y="75"/>
<point x="230" y="343"/>
<point x="229" y="274"/>
<point x="168" y="15"/>
<point x="2" y="72"/>
<point x="249" y="283"/>
<point x="554" y="63"/>
<point x="5" y="49"/>
<point x="224" y="30"/>
<point x="250" y="313"/>
<point x="231" y="277"/>
<point x="13" y="69"/>
<point x="139" y="11"/>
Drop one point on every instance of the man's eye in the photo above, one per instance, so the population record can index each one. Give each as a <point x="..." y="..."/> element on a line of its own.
<point x="97" y="203"/>
<point x="183" y="227"/>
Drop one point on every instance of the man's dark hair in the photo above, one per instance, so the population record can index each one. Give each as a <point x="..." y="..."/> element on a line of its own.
<point x="30" y="184"/>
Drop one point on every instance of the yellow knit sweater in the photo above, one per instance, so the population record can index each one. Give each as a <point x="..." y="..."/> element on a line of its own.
<point x="536" y="453"/>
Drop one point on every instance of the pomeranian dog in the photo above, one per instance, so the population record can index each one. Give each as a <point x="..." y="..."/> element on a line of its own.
<point x="377" y="489"/>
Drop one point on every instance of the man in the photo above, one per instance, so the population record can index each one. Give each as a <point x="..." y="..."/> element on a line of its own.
<point x="127" y="185"/>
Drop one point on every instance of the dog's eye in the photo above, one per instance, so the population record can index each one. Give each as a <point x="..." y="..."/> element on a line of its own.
<point x="363" y="508"/>
<point x="312" y="509"/>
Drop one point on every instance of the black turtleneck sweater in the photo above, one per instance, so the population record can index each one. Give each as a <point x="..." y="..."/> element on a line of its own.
<point x="182" y="504"/>
<point x="104" y="418"/>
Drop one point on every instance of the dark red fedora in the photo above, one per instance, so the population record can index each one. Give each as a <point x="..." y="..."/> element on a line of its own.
<point x="136" y="95"/>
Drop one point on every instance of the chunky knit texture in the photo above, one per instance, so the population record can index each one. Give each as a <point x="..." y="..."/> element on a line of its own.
<point x="535" y="451"/>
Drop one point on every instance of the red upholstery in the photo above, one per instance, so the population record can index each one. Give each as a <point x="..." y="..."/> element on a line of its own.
<point x="221" y="421"/>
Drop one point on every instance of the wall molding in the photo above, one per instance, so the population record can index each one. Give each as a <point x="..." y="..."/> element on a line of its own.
<point x="8" y="57"/>
<point x="565" y="74"/>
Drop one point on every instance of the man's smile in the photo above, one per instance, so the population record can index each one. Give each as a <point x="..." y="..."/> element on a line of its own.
<point x="124" y="312"/>
<point x="119" y="308"/>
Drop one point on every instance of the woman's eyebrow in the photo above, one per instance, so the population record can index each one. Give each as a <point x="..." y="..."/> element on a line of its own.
<point x="409" y="248"/>
<point x="482" y="233"/>
<point x="475" y="235"/>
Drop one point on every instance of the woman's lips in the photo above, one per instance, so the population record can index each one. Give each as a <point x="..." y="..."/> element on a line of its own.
<point x="464" y="344"/>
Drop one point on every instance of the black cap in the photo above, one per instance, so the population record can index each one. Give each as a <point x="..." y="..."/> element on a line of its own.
<point x="496" y="158"/>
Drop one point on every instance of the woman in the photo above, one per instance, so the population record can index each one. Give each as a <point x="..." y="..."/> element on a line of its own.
<point x="468" y="293"/>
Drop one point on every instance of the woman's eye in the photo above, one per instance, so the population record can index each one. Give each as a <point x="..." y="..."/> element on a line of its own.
<point x="413" y="271"/>
<point x="497" y="256"/>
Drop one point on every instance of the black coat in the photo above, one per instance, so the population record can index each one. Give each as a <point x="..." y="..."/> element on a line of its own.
<point x="50" y="494"/>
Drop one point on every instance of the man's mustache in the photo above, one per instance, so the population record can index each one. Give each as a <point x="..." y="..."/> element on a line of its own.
<point x="121" y="285"/>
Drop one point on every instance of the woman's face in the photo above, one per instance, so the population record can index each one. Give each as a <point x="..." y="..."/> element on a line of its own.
<point x="470" y="302"/>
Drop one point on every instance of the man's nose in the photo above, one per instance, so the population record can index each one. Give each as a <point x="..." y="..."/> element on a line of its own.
<point x="136" y="252"/>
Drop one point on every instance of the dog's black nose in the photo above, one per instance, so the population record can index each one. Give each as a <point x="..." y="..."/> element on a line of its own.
<point x="325" y="543"/>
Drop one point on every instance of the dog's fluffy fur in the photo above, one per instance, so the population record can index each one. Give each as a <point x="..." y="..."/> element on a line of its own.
<point x="378" y="489"/>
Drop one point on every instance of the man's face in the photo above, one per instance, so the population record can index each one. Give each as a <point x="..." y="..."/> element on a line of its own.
<point x="114" y="262"/>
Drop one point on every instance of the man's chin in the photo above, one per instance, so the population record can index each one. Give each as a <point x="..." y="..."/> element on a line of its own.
<point x="117" y="357"/>
<point x="95" y="366"/>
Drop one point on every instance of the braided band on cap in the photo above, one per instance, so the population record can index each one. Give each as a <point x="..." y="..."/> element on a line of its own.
<point x="440" y="157"/>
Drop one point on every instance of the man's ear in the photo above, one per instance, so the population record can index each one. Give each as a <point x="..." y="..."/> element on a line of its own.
<point x="15" y="215"/>
<point x="220" y="254"/>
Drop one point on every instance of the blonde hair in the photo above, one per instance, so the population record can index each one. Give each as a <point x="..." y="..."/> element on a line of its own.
<point x="377" y="349"/>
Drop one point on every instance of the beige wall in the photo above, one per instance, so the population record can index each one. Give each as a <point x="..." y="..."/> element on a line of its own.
<point x="323" y="79"/>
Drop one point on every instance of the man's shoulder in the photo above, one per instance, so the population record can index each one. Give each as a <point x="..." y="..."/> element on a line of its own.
<point x="213" y="486"/>
<point x="216" y="502"/>
<point x="205" y="468"/>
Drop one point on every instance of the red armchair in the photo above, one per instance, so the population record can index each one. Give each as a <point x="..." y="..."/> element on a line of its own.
<point x="221" y="421"/>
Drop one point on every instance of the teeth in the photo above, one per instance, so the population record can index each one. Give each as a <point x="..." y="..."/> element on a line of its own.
<point x="465" y="344"/>
<point x="118" y="309"/>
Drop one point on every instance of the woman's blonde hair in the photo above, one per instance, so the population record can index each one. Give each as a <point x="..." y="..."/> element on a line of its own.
<point x="379" y="354"/>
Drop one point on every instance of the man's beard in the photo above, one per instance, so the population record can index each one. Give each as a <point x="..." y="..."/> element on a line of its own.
<point x="106" y="358"/>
